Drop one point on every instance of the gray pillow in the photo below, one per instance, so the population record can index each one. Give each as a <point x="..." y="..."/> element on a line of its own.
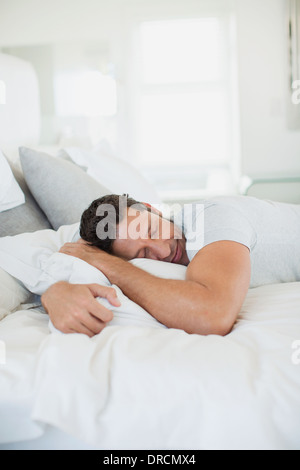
<point x="25" y="218"/>
<point x="61" y="189"/>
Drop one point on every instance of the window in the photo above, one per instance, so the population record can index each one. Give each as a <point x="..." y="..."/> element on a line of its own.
<point x="86" y="93"/>
<point x="184" y="105"/>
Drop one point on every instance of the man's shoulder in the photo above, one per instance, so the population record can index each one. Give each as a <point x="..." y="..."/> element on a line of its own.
<point x="239" y="203"/>
<point x="218" y="219"/>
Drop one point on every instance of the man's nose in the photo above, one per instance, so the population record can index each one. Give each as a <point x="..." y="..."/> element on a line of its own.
<point x="159" y="249"/>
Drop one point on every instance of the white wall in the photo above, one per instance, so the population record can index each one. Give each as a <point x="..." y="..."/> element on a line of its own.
<point x="267" y="145"/>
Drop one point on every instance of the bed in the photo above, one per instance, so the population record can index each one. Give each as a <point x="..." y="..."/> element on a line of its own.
<point x="138" y="384"/>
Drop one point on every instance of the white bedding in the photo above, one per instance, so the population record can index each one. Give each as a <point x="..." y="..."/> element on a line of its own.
<point x="139" y="385"/>
<point x="143" y="386"/>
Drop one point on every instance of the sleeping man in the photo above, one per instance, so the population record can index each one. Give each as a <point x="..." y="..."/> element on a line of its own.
<point x="228" y="245"/>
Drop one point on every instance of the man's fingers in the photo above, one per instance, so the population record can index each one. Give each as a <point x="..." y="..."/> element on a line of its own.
<point x="76" y="326"/>
<point x="96" y="318"/>
<point x="92" y="325"/>
<point x="83" y="329"/>
<point x="88" y="308"/>
<point x="108" y="293"/>
<point x="87" y="324"/>
<point x="100" y="312"/>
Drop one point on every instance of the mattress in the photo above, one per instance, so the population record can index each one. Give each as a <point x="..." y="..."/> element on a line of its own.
<point x="146" y="387"/>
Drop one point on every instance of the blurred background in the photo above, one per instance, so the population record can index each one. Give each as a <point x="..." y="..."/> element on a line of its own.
<point x="196" y="94"/>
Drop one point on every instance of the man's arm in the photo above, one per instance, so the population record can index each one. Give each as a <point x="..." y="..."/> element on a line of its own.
<point x="207" y="302"/>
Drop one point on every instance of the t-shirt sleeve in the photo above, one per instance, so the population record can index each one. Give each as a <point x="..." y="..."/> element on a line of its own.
<point x="213" y="222"/>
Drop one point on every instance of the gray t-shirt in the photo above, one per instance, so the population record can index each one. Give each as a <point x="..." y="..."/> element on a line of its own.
<point x="271" y="231"/>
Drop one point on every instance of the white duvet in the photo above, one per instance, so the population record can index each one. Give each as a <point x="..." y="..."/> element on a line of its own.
<point x="139" y="385"/>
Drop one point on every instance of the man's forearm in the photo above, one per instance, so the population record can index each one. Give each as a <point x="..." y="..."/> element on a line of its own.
<point x="185" y="305"/>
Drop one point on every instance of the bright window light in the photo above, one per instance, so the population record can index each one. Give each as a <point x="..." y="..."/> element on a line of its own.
<point x="184" y="113"/>
<point x="85" y="93"/>
<point x="184" y="128"/>
<point x="181" y="51"/>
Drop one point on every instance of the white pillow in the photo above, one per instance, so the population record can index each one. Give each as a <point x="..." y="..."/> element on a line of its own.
<point x="66" y="268"/>
<point x="12" y="294"/>
<point x="161" y="268"/>
<point x="11" y="194"/>
<point x="115" y="174"/>
<point x="32" y="258"/>
<point x="26" y="256"/>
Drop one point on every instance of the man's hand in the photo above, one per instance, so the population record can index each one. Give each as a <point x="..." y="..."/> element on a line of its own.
<point x="83" y="251"/>
<point x="92" y="255"/>
<point x="73" y="308"/>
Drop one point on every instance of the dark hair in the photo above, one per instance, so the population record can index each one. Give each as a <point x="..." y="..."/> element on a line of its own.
<point x="110" y="211"/>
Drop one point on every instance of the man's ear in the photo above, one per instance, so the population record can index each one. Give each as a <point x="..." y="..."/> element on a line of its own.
<point x="153" y="209"/>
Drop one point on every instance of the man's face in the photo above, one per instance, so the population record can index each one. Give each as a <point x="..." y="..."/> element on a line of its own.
<point x="148" y="235"/>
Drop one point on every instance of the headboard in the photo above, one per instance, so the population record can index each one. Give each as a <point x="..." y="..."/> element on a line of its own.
<point x="20" y="114"/>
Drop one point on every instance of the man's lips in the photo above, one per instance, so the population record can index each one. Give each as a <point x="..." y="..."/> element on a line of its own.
<point x="178" y="254"/>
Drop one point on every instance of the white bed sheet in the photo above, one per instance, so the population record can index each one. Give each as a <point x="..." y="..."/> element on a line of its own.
<point x="148" y="387"/>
